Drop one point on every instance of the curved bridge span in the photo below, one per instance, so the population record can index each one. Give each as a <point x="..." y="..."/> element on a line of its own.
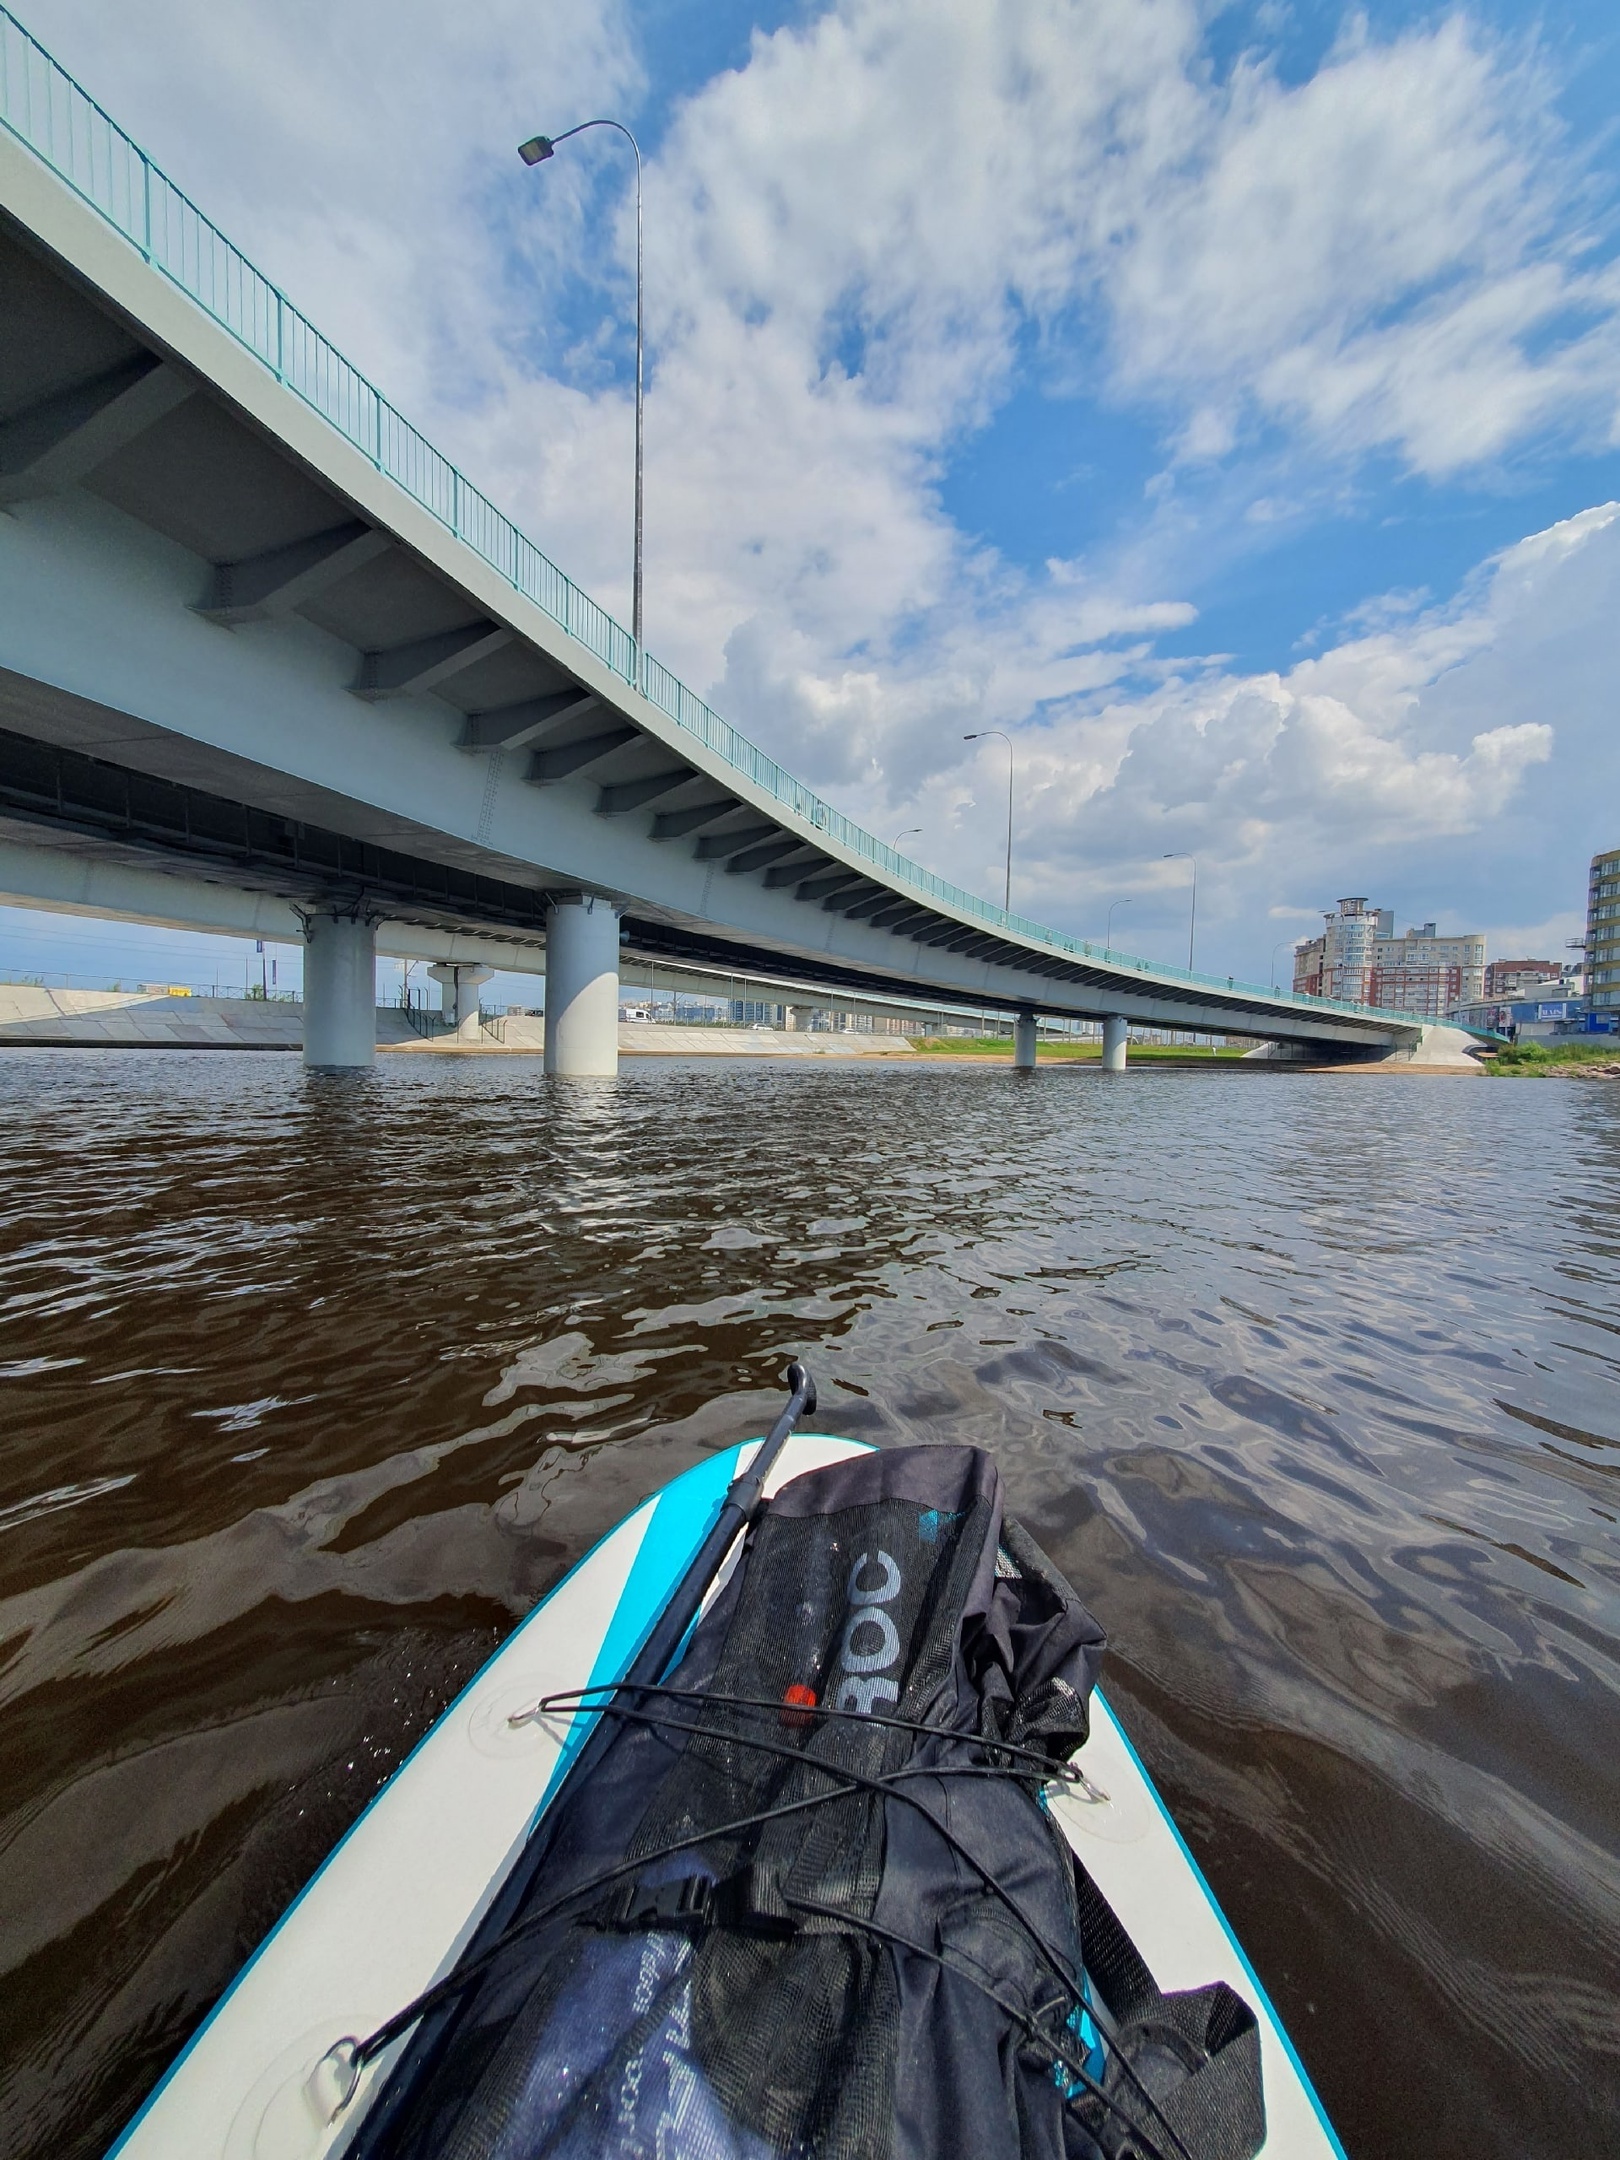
<point x="268" y="663"/>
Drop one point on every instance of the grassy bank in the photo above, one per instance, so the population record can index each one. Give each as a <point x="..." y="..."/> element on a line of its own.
<point x="1064" y="1052"/>
<point x="1534" y="1060"/>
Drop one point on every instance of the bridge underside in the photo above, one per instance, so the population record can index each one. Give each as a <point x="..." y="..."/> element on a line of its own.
<point x="233" y="650"/>
<point x="63" y="811"/>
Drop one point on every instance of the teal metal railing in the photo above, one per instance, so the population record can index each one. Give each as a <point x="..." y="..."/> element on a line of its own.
<point x="45" y="108"/>
<point x="62" y="124"/>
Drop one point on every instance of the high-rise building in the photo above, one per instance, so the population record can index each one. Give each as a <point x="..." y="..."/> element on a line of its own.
<point x="1603" y="932"/>
<point x="1359" y="958"/>
<point x="1516" y="978"/>
<point x="1338" y="964"/>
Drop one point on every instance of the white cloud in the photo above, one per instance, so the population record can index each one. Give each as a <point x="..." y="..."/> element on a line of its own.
<point x="1380" y="766"/>
<point x="858" y="226"/>
<point x="1386" y="254"/>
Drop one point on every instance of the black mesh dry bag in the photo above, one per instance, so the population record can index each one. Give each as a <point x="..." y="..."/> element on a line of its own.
<point x="810" y="1901"/>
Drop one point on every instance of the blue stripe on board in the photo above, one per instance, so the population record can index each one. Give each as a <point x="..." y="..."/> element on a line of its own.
<point x="686" y="1512"/>
<point x="1278" y="2026"/>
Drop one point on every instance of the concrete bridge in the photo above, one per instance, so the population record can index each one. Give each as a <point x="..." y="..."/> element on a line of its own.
<point x="270" y="665"/>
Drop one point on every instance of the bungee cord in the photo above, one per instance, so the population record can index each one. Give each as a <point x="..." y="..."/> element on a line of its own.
<point x="351" y="2054"/>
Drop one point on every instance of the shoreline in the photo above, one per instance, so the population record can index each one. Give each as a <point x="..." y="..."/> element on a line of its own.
<point x="35" y="1017"/>
<point x="916" y="1060"/>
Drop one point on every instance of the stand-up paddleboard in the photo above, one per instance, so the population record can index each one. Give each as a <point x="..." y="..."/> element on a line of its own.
<point x="398" y="1901"/>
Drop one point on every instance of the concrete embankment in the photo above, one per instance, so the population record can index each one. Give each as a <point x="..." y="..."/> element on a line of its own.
<point x="154" y="1020"/>
<point x="146" y="1020"/>
<point x="1438" y="1048"/>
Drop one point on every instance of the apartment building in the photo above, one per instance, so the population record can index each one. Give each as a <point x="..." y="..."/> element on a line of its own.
<point x="1521" y="978"/>
<point x="1603" y="933"/>
<point x="1359" y="958"/>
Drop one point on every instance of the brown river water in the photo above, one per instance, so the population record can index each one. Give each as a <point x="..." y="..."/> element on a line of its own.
<point x="1309" y="1382"/>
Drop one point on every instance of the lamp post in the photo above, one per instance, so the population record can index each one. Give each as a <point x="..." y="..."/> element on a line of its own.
<point x="980" y="735"/>
<point x="535" y="152"/>
<point x="1192" y="919"/>
<point x="906" y="835"/>
<point x="1277" y="948"/>
<point x="1108" y="934"/>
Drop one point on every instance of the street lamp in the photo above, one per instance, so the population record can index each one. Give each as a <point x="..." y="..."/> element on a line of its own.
<point x="1108" y="934"/>
<point x="1192" y="919"/>
<point x="980" y="735"/>
<point x="535" y="152"/>
<point x="1277" y="948"/>
<point x="906" y="835"/>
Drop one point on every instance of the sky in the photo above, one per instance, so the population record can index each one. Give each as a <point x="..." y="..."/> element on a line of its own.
<point x="1221" y="401"/>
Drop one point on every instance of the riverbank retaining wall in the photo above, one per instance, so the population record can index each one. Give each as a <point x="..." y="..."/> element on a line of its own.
<point x="32" y="1015"/>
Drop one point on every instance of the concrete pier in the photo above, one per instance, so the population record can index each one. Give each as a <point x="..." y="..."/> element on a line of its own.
<point x="1024" y="1043"/>
<point x="582" y="985"/>
<point x="459" y="986"/>
<point x="340" y="993"/>
<point x="1116" y="1033"/>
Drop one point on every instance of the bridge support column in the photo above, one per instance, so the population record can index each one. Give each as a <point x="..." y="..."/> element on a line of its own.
<point x="340" y="993"/>
<point x="459" y="986"/>
<point x="1115" y="1036"/>
<point x="1024" y="1043"/>
<point x="582" y="985"/>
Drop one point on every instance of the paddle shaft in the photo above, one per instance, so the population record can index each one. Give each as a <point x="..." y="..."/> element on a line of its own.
<point x="653" y="1659"/>
<point x="668" y="1632"/>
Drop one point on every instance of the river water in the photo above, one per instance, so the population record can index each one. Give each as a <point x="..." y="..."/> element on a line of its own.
<point x="1309" y="1382"/>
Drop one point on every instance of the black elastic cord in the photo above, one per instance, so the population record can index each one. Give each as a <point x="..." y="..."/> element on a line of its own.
<point x="792" y="1713"/>
<point x="857" y="1781"/>
<point x="853" y="1781"/>
<point x="453" y="1982"/>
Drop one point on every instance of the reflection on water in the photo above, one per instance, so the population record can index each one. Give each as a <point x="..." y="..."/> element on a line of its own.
<point x="1309" y="1383"/>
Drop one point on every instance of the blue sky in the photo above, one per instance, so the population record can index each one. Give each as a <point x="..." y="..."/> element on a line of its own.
<point x="1221" y="400"/>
